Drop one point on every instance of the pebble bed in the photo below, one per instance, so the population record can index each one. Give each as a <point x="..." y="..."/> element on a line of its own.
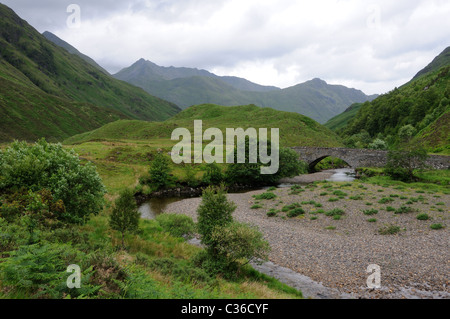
<point x="415" y="263"/>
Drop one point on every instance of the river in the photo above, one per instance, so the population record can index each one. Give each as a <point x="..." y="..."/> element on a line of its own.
<point x="156" y="206"/>
<point x="309" y="288"/>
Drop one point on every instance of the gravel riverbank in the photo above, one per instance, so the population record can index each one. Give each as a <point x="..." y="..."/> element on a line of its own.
<point x="415" y="263"/>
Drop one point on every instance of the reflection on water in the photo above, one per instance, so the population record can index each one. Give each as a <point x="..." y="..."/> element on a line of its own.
<point x="156" y="206"/>
<point x="343" y="175"/>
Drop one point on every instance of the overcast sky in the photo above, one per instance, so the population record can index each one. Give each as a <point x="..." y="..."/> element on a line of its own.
<point x="373" y="45"/>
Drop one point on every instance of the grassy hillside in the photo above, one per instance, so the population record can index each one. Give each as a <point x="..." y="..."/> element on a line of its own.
<point x="29" y="114"/>
<point x="47" y="92"/>
<point x="341" y="120"/>
<point x="440" y="61"/>
<point x="295" y="129"/>
<point x="421" y="103"/>
<point x="69" y="48"/>
<point x="185" y="87"/>
<point x="436" y="136"/>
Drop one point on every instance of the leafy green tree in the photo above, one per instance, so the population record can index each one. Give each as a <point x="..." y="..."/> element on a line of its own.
<point x="190" y="176"/>
<point x="238" y="241"/>
<point x="125" y="216"/>
<point x="49" y="166"/>
<point x="213" y="175"/>
<point x="214" y="210"/>
<point x="402" y="163"/>
<point x="227" y="243"/>
<point x="250" y="173"/>
<point x="406" y="133"/>
<point x="378" y="144"/>
<point x="160" y="171"/>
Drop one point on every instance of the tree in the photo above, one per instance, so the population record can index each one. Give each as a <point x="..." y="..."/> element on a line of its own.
<point x="402" y="163"/>
<point x="238" y="241"/>
<point x="159" y="171"/>
<point x="125" y="216"/>
<point x="227" y="243"/>
<point x="49" y="166"/>
<point x="250" y="173"/>
<point x="378" y="144"/>
<point x="406" y="133"/>
<point x="214" y="210"/>
<point x="213" y="175"/>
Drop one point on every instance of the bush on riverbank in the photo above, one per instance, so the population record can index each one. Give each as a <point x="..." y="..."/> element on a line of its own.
<point x="229" y="245"/>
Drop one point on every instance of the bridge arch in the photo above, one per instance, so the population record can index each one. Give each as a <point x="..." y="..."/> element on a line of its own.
<point x="312" y="164"/>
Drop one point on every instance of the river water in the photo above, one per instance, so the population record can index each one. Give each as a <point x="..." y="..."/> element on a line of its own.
<point x="156" y="206"/>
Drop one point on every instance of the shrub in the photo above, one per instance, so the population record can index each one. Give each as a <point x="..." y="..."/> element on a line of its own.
<point x="389" y="230"/>
<point x="159" y="172"/>
<point x="370" y="212"/>
<point x="404" y="210"/>
<point x="335" y="212"/>
<point x="372" y="220"/>
<point x="213" y="175"/>
<point x="295" y="212"/>
<point x="190" y="178"/>
<point x="256" y="206"/>
<point x="290" y="207"/>
<point x="385" y="200"/>
<point x="340" y="193"/>
<point x="238" y="241"/>
<point x="272" y="213"/>
<point x="250" y="173"/>
<point x="49" y="166"/>
<point x="41" y="270"/>
<point x="423" y="217"/>
<point x="266" y="196"/>
<point x="177" y="225"/>
<point x="401" y="164"/>
<point x="125" y="216"/>
<point x="436" y="226"/>
<point x="214" y="210"/>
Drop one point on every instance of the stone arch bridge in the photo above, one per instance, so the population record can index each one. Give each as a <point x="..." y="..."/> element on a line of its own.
<point x="359" y="157"/>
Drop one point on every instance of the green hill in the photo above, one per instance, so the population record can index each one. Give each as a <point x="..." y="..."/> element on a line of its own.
<point x="440" y="61"/>
<point x="69" y="48"/>
<point x="341" y="120"/>
<point x="423" y="103"/>
<point x="47" y="92"/>
<point x="295" y="129"/>
<point x="187" y="86"/>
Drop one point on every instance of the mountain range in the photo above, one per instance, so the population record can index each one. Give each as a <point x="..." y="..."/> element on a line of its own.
<point x="46" y="91"/>
<point x="189" y="86"/>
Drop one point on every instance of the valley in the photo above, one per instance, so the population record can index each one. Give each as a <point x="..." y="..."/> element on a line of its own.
<point x="82" y="149"/>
